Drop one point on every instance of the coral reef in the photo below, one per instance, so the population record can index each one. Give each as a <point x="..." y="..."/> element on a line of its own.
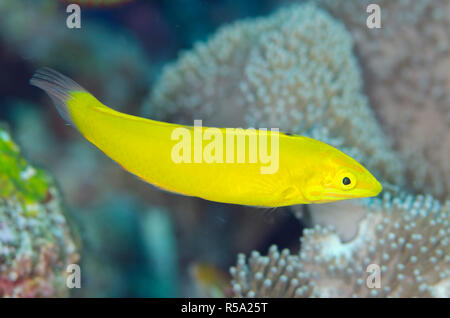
<point x="35" y="240"/>
<point x="294" y="70"/>
<point x="382" y="96"/>
<point x="407" y="237"/>
<point x="408" y="82"/>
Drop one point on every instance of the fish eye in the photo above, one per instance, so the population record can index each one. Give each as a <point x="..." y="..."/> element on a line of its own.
<point x="346" y="181"/>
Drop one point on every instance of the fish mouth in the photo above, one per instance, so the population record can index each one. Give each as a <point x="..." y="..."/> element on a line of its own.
<point x="371" y="190"/>
<point x="378" y="188"/>
<point x="375" y="187"/>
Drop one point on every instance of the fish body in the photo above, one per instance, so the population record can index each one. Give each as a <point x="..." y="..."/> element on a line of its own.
<point x="307" y="170"/>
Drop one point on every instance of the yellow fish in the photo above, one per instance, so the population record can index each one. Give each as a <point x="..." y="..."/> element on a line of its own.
<point x="226" y="168"/>
<point x="210" y="280"/>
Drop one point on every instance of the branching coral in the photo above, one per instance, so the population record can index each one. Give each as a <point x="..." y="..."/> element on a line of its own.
<point x="407" y="63"/>
<point x="294" y="70"/>
<point x="35" y="241"/>
<point x="408" y="238"/>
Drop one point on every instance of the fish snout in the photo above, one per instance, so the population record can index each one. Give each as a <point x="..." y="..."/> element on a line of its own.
<point x="374" y="187"/>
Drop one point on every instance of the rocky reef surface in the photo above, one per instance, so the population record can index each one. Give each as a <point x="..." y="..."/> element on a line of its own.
<point x="36" y="244"/>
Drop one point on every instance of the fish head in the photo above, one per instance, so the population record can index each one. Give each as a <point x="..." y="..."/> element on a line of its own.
<point x="348" y="179"/>
<point x="343" y="178"/>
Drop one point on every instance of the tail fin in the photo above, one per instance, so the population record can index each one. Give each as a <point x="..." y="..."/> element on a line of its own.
<point x="58" y="87"/>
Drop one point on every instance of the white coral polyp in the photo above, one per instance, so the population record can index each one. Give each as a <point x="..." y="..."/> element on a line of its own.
<point x="406" y="237"/>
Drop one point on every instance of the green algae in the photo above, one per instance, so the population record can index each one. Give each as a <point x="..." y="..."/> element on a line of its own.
<point x="17" y="178"/>
<point x="36" y="241"/>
